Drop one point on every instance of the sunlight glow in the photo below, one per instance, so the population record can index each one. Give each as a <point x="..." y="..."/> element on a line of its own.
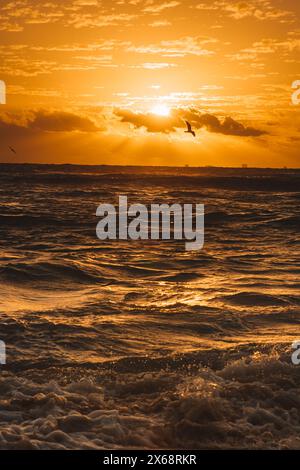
<point x="160" y="109"/>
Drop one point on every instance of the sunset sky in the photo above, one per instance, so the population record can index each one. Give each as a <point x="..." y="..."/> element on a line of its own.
<point x="98" y="81"/>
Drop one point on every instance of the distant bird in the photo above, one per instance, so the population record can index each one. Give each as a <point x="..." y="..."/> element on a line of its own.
<point x="190" y="130"/>
<point x="12" y="150"/>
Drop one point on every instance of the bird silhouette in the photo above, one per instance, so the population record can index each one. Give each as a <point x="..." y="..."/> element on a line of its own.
<point x="12" y="150"/>
<point x="190" y="130"/>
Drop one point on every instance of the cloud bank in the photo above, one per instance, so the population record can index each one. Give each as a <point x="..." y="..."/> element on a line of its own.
<point x="176" y="120"/>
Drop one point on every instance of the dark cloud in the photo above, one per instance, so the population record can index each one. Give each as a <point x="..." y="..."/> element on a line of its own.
<point x="43" y="121"/>
<point x="151" y="122"/>
<point x="11" y="129"/>
<point x="59" y="121"/>
<point x="228" y="127"/>
<point x="176" y="120"/>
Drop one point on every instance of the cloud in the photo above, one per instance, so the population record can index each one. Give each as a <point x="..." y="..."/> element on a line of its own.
<point x="52" y="139"/>
<point x="268" y="46"/>
<point x="153" y="65"/>
<point x="228" y="127"/>
<point x="177" y="48"/>
<point x="59" y="121"/>
<point x="160" y="23"/>
<point x="159" y="7"/>
<point x="151" y="122"/>
<point x="90" y="20"/>
<point x="15" y="15"/>
<point x="10" y="129"/>
<point x="258" y="9"/>
<point x="23" y="63"/>
<point x="176" y="120"/>
<point x="47" y="121"/>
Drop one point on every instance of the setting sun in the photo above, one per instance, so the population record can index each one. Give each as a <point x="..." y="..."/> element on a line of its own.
<point x="110" y="77"/>
<point x="160" y="110"/>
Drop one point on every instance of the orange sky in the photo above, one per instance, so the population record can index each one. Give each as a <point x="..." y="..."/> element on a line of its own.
<point x="97" y="81"/>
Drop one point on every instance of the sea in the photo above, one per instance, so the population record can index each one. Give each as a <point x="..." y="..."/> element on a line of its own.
<point x="122" y="344"/>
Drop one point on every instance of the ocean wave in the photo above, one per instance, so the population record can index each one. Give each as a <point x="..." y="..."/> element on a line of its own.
<point x="114" y="177"/>
<point x="46" y="272"/>
<point x="247" y="403"/>
<point x="28" y="221"/>
<point x="255" y="299"/>
<point x="289" y="222"/>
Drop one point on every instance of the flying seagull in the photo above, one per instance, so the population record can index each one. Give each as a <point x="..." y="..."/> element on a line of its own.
<point x="190" y="130"/>
<point x="12" y="150"/>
